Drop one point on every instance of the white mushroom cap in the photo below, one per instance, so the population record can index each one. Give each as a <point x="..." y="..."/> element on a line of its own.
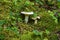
<point x="27" y="13"/>
<point x="36" y="18"/>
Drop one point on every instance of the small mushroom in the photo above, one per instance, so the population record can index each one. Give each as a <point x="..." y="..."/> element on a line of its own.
<point x="36" y="19"/>
<point x="27" y="15"/>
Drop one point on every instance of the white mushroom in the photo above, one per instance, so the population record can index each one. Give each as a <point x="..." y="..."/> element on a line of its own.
<point x="35" y="19"/>
<point x="27" y="15"/>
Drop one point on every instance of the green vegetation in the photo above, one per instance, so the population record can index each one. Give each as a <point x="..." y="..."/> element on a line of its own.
<point x="12" y="26"/>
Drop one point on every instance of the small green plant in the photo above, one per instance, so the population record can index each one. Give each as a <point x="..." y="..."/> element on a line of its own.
<point x="2" y="22"/>
<point x="27" y="36"/>
<point x="52" y="14"/>
<point x="41" y="34"/>
<point x="2" y="36"/>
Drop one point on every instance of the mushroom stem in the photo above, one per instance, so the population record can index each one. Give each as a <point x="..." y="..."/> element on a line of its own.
<point x="35" y="22"/>
<point x="26" y="18"/>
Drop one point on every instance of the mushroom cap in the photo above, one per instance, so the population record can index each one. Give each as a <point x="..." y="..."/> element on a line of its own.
<point x="36" y="18"/>
<point x="27" y="13"/>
